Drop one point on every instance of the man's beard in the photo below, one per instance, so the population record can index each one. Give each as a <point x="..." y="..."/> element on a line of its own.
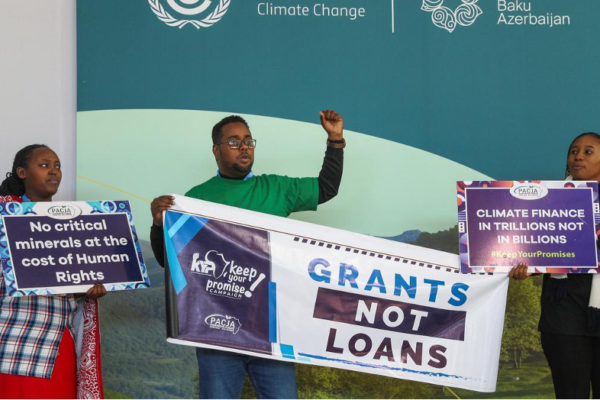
<point x="243" y="170"/>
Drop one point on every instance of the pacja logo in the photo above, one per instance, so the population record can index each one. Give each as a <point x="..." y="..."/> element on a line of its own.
<point x="223" y="322"/>
<point x="190" y="11"/>
<point x="529" y="191"/>
<point x="443" y="17"/>
<point x="64" y="211"/>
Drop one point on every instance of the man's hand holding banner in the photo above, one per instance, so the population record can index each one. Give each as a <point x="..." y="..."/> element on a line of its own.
<point x="272" y="287"/>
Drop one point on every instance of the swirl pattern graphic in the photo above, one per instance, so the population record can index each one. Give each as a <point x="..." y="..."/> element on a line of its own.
<point x="443" y="17"/>
<point x="430" y="5"/>
<point x="466" y="14"/>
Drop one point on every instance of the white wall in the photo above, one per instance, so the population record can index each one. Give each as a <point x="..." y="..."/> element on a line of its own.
<point x="38" y="82"/>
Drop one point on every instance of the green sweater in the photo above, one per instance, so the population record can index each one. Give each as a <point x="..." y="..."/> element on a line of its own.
<point x="270" y="194"/>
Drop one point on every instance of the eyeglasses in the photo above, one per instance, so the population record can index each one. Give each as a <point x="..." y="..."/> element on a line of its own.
<point x="235" y="144"/>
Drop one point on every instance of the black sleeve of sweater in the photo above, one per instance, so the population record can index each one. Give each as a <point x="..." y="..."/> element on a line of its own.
<point x="330" y="176"/>
<point x="157" y="240"/>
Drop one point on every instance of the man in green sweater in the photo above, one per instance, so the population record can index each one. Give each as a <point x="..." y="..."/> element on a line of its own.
<point x="222" y="374"/>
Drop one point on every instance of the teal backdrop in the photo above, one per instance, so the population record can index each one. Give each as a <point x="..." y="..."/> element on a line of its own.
<point x="499" y="94"/>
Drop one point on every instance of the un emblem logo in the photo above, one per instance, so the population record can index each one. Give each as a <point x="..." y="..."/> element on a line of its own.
<point x="446" y="18"/>
<point x="191" y="9"/>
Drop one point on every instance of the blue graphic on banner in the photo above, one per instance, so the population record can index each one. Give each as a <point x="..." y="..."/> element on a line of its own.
<point x="221" y="274"/>
<point x="287" y="351"/>
<point x="182" y="229"/>
<point x="272" y="312"/>
<point x="384" y="367"/>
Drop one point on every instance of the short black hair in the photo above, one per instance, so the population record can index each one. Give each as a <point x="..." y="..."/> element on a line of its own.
<point x="13" y="185"/>
<point x="593" y="134"/>
<point x="217" y="131"/>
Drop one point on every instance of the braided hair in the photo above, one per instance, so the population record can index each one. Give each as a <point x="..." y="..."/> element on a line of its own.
<point x="593" y="134"/>
<point x="13" y="185"/>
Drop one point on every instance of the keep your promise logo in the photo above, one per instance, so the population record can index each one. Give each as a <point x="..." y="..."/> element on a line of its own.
<point x="226" y="278"/>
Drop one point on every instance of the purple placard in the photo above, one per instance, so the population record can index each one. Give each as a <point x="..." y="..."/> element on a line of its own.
<point x="66" y="247"/>
<point x="108" y="258"/>
<point x="549" y="225"/>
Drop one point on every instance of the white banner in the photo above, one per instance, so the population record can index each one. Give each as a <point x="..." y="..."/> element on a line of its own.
<point x="273" y="287"/>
